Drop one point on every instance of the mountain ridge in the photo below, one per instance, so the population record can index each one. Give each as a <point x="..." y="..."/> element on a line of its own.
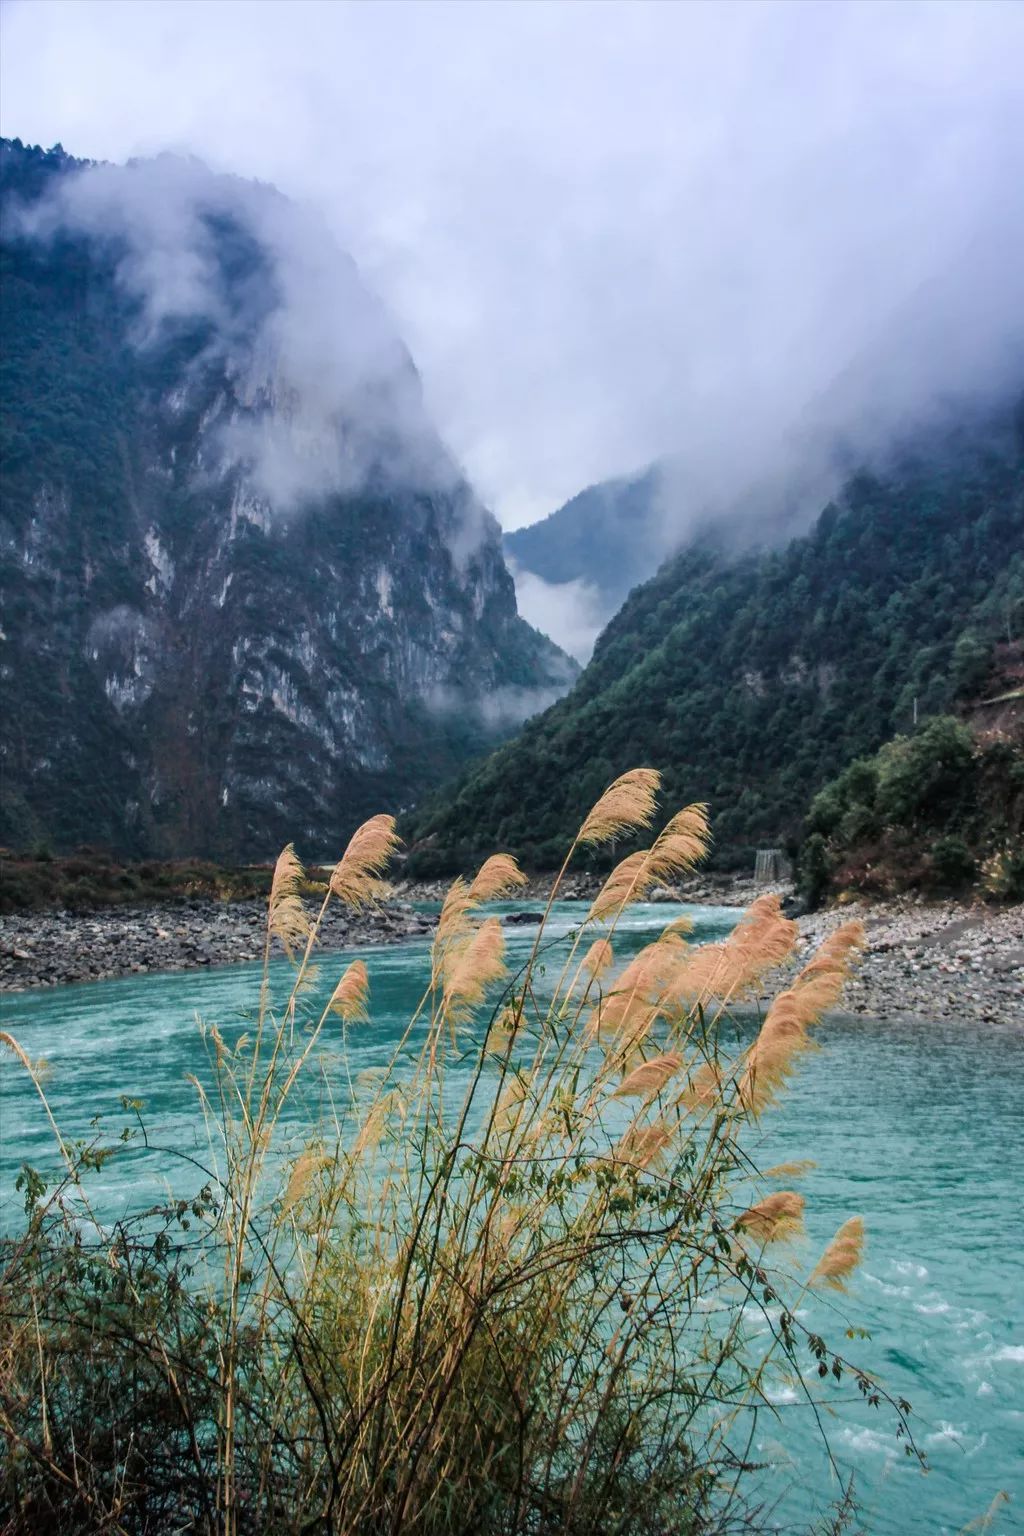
<point x="248" y="595"/>
<point x="751" y="679"/>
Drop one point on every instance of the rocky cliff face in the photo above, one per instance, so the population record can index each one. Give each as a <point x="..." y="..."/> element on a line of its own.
<point x="247" y="595"/>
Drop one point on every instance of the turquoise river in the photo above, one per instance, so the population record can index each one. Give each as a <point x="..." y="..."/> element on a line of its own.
<point x="917" y="1126"/>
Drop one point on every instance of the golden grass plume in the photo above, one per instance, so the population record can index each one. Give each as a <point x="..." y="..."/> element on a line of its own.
<point x="496" y="877"/>
<point x="650" y="1077"/>
<point x="287" y="918"/>
<point x="626" y="805"/>
<point x="471" y="966"/>
<point x="598" y="958"/>
<point x="841" y="1257"/>
<point x="761" y="940"/>
<point x="643" y="1146"/>
<point x="623" y="885"/>
<point x="681" y="844"/>
<point x="356" y="878"/>
<point x="348" y="999"/>
<point x="778" y="1216"/>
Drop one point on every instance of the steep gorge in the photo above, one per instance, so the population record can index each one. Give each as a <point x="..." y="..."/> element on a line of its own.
<point x="248" y="596"/>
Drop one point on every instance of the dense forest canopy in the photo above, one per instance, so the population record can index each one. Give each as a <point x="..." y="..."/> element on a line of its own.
<point x="752" y="680"/>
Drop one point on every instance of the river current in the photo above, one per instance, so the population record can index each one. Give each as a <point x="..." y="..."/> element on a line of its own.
<point x="916" y="1126"/>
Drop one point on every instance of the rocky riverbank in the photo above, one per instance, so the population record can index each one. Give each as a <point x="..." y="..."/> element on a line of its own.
<point x="45" y="949"/>
<point x="935" y="960"/>
<point x="938" y="960"/>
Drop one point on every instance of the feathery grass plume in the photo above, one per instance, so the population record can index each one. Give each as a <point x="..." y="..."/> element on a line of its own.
<point x="645" y="988"/>
<point x="472" y="966"/>
<point x="372" y="1128"/>
<point x="761" y="940"/>
<point x="287" y="919"/>
<point x="356" y="879"/>
<point x="790" y="1170"/>
<point x="348" y="999"/>
<point x="704" y="1087"/>
<point x="778" y="1216"/>
<point x="624" y="884"/>
<point x="455" y="910"/>
<point x="627" y="804"/>
<point x="306" y="1165"/>
<point x="823" y="977"/>
<point x="782" y="1037"/>
<point x="643" y="1146"/>
<point x="681" y="844"/>
<point x="598" y="958"/>
<point x="496" y="877"/>
<point x="649" y="1077"/>
<point x="841" y="1257"/>
<point x="682" y="927"/>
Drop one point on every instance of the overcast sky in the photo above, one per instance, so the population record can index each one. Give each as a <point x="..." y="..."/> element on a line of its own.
<point x="606" y="231"/>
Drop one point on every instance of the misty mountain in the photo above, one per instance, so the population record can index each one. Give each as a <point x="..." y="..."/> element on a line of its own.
<point x="248" y="595"/>
<point x="608" y="537"/>
<point x="751" y="679"/>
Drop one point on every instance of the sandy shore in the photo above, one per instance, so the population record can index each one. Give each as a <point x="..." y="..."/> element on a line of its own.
<point x="929" y="960"/>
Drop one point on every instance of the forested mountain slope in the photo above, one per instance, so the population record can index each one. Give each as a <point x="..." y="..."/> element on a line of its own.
<point x="751" y="681"/>
<point x="608" y="536"/>
<point x="247" y="595"/>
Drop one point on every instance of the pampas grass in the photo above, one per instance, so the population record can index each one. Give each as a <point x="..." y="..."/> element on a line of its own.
<point x="499" y="1283"/>
<point x="842" y="1256"/>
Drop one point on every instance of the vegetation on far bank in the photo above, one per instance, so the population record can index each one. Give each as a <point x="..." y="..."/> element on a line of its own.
<point x="757" y="678"/>
<point x="941" y="812"/>
<point x="503" y="1282"/>
<point x="91" y="879"/>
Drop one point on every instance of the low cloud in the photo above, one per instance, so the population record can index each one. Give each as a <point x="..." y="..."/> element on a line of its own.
<point x="725" y="236"/>
<point x="570" y="612"/>
<point x="325" y="397"/>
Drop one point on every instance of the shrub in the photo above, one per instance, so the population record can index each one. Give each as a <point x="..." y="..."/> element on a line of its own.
<point x="498" y="1285"/>
<point x="922" y="776"/>
<point x="1003" y="873"/>
<point x="952" y="863"/>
